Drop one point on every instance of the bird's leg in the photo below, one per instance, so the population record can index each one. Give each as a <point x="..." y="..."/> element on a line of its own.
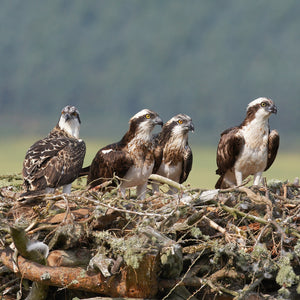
<point x="257" y="178"/>
<point x="238" y="177"/>
<point x="67" y="188"/>
<point x="141" y="191"/>
<point x="155" y="187"/>
<point x="172" y="190"/>
<point x="122" y="191"/>
<point x="50" y="190"/>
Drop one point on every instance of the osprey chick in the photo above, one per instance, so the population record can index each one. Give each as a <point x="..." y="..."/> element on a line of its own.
<point x="173" y="155"/>
<point x="131" y="159"/>
<point x="57" y="159"/>
<point x="248" y="149"/>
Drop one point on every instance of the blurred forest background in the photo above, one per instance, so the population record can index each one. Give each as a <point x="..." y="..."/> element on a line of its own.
<point x="207" y="59"/>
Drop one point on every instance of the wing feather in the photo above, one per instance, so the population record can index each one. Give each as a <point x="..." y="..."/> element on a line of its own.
<point x="228" y="150"/>
<point x="273" y="145"/>
<point x="187" y="164"/>
<point x="158" y="153"/>
<point x="53" y="162"/>
<point x="109" y="161"/>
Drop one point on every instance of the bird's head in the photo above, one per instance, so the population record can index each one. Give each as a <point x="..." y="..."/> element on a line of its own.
<point x="70" y="121"/>
<point x="144" y="121"/>
<point x="262" y="108"/>
<point x="180" y="124"/>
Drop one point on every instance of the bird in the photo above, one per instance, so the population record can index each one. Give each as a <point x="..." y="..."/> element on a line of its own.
<point x="57" y="159"/>
<point x="131" y="159"/>
<point x="248" y="149"/>
<point x="173" y="155"/>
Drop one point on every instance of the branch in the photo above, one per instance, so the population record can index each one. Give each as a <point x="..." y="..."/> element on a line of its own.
<point x="129" y="282"/>
<point x="165" y="180"/>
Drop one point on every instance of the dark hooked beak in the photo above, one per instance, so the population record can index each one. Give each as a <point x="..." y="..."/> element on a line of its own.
<point x="67" y="116"/>
<point x="272" y="109"/>
<point x="158" y="121"/>
<point x="191" y="127"/>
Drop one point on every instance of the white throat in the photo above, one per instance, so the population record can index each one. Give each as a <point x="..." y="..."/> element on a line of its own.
<point x="178" y="138"/>
<point x="144" y="132"/>
<point x="256" y="132"/>
<point x="71" y="126"/>
<point x="143" y="137"/>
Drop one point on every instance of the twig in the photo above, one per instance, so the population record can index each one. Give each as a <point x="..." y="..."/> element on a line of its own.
<point x="126" y="210"/>
<point x="184" y="277"/>
<point x="11" y="282"/>
<point x="249" y="288"/>
<point x="214" y="225"/>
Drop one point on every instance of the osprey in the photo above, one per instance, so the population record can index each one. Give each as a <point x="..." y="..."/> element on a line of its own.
<point x="173" y="155"/>
<point x="57" y="159"/>
<point x="248" y="149"/>
<point x="131" y="159"/>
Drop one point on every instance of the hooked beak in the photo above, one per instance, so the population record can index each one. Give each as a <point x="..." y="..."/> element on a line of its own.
<point x="158" y="121"/>
<point x="67" y="116"/>
<point x="191" y="127"/>
<point x="272" y="109"/>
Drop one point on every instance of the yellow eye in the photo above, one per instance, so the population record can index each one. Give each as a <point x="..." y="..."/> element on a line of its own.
<point x="180" y="121"/>
<point x="263" y="104"/>
<point x="148" y="116"/>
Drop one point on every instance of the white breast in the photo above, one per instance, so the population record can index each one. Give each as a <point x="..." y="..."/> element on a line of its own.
<point x="137" y="175"/>
<point x="170" y="171"/>
<point x="254" y="155"/>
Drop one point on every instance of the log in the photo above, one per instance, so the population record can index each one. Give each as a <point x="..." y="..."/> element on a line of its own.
<point x="35" y="251"/>
<point x="69" y="258"/>
<point x="141" y="282"/>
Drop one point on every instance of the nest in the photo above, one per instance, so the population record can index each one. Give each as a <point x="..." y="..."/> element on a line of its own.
<point x="239" y="243"/>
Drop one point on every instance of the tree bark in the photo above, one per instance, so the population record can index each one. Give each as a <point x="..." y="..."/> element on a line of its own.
<point x="141" y="282"/>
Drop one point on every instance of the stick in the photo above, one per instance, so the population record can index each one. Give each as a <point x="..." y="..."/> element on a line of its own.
<point x="165" y="180"/>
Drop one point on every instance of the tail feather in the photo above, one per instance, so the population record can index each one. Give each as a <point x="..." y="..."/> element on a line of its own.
<point x="84" y="171"/>
<point x="31" y="195"/>
<point x="219" y="183"/>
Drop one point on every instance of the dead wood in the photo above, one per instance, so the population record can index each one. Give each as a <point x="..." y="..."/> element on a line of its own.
<point x="238" y="242"/>
<point x="23" y="245"/>
<point x="141" y="282"/>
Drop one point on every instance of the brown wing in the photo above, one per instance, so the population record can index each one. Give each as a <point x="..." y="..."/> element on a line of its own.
<point x="273" y="145"/>
<point x="53" y="162"/>
<point x="109" y="161"/>
<point x="187" y="164"/>
<point x="158" y="153"/>
<point x="229" y="147"/>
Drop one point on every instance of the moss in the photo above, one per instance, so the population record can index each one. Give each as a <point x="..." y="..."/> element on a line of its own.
<point x="284" y="293"/>
<point x="132" y="249"/>
<point x="171" y="261"/>
<point x="243" y="260"/>
<point x="286" y="276"/>
<point x="297" y="248"/>
<point x="196" y="232"/>
<point x="260" y="251"/>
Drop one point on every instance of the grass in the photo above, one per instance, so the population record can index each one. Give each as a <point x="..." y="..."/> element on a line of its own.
<point x="285" y="167"/>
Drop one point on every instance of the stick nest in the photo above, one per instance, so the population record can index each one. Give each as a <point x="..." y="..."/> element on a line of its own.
<point x="240" y="243"/>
